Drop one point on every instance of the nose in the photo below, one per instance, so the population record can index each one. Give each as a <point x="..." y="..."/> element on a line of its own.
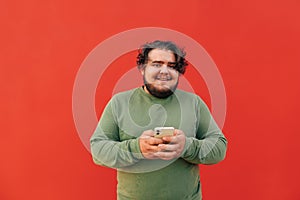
<point x="164" y="69"/>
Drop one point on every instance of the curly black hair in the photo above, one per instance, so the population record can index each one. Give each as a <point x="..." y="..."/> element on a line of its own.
<point x="179" y="54"/>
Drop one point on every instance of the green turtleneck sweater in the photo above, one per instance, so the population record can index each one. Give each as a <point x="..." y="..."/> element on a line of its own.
<point x="115" y="144"/>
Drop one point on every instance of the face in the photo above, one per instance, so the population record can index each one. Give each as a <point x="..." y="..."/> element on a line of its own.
<point x="160" y="77"/>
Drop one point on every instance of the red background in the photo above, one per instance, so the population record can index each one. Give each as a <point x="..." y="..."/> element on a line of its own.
<point x="255" y="45"/>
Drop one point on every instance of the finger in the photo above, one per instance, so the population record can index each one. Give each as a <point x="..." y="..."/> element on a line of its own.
<point x="168" y="139"/>
<point x="171" y="140"/>
<point x="178" y="132"/>
<point x="180" y="137"/>
<point x="152" y="148"/>
<point x="145" y="136"/>
<point x="154" y="141"/>
<point x="149" y="133"/>
<point x="168" y="147"/>
<point x="166" y="155"/>
<point x="150" y="155"/>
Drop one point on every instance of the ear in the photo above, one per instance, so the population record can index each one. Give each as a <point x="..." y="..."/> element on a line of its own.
<point x="142" y="70"/>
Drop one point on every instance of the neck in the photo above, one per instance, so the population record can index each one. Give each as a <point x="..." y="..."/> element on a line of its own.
<point x="145" y="89"/>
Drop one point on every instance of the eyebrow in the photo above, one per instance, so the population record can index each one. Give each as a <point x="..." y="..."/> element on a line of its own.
<point x="161" y="62"/>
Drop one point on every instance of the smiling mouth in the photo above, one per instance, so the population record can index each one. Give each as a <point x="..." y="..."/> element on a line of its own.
<point x="163" y="79"/>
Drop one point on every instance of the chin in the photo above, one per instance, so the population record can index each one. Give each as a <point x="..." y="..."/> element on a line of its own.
<point x="160" y="91"/>
<point x="162" y="88"/>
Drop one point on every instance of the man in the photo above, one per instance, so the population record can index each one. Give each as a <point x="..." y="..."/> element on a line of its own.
<point x="151" y="167"/>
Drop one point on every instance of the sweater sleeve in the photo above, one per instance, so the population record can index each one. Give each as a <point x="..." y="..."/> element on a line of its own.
<point x="106" y="147"/>
<point x="209" y="146"/>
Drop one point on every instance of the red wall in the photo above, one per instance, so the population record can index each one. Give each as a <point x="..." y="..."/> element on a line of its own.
<point x="255" y="45"/>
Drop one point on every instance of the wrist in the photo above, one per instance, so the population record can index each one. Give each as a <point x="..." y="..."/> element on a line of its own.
<point x="135" y="148"/>
<point x="188" y="142"/>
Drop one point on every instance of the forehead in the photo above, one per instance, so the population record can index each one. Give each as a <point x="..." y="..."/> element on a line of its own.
<point x="161" y="55"/>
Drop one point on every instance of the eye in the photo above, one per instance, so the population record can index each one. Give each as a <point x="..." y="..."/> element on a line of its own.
<point x="172" y="66"/>
<point x="156" y="64"/>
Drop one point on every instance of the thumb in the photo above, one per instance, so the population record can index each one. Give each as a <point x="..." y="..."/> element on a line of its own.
<point x="148" y="133"/>
<point x="177" y="132"/>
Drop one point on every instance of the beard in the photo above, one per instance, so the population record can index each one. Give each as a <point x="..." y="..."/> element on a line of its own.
<point x="159" y="93"/>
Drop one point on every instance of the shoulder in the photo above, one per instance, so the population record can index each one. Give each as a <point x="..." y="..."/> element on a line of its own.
<point x="185" y="94"/>
<point x="189" y="96"/>
<point x="123" y="96"/>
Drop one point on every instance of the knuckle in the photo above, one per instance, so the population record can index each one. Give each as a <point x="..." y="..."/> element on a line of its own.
<point x="151" y="142"/>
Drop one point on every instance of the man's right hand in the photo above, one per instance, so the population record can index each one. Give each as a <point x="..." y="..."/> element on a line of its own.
<point x="149" y="144"/>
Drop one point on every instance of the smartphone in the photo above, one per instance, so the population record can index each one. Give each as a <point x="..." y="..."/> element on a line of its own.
<point x="160" y="132"/>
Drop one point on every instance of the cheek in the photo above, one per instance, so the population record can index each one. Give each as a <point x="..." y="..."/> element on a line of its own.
<point x="150" y="73"/>
<point x="175" y="75"/>
<point x="149" y="77"/>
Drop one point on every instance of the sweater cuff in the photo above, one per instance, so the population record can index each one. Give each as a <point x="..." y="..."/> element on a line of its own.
<point x="135" y="149"/>
<point x="188" y="142"/>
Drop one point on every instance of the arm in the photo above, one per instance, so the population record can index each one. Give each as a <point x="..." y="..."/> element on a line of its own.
<point x="209" y="146"/>
<point x="106" y="147"/>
